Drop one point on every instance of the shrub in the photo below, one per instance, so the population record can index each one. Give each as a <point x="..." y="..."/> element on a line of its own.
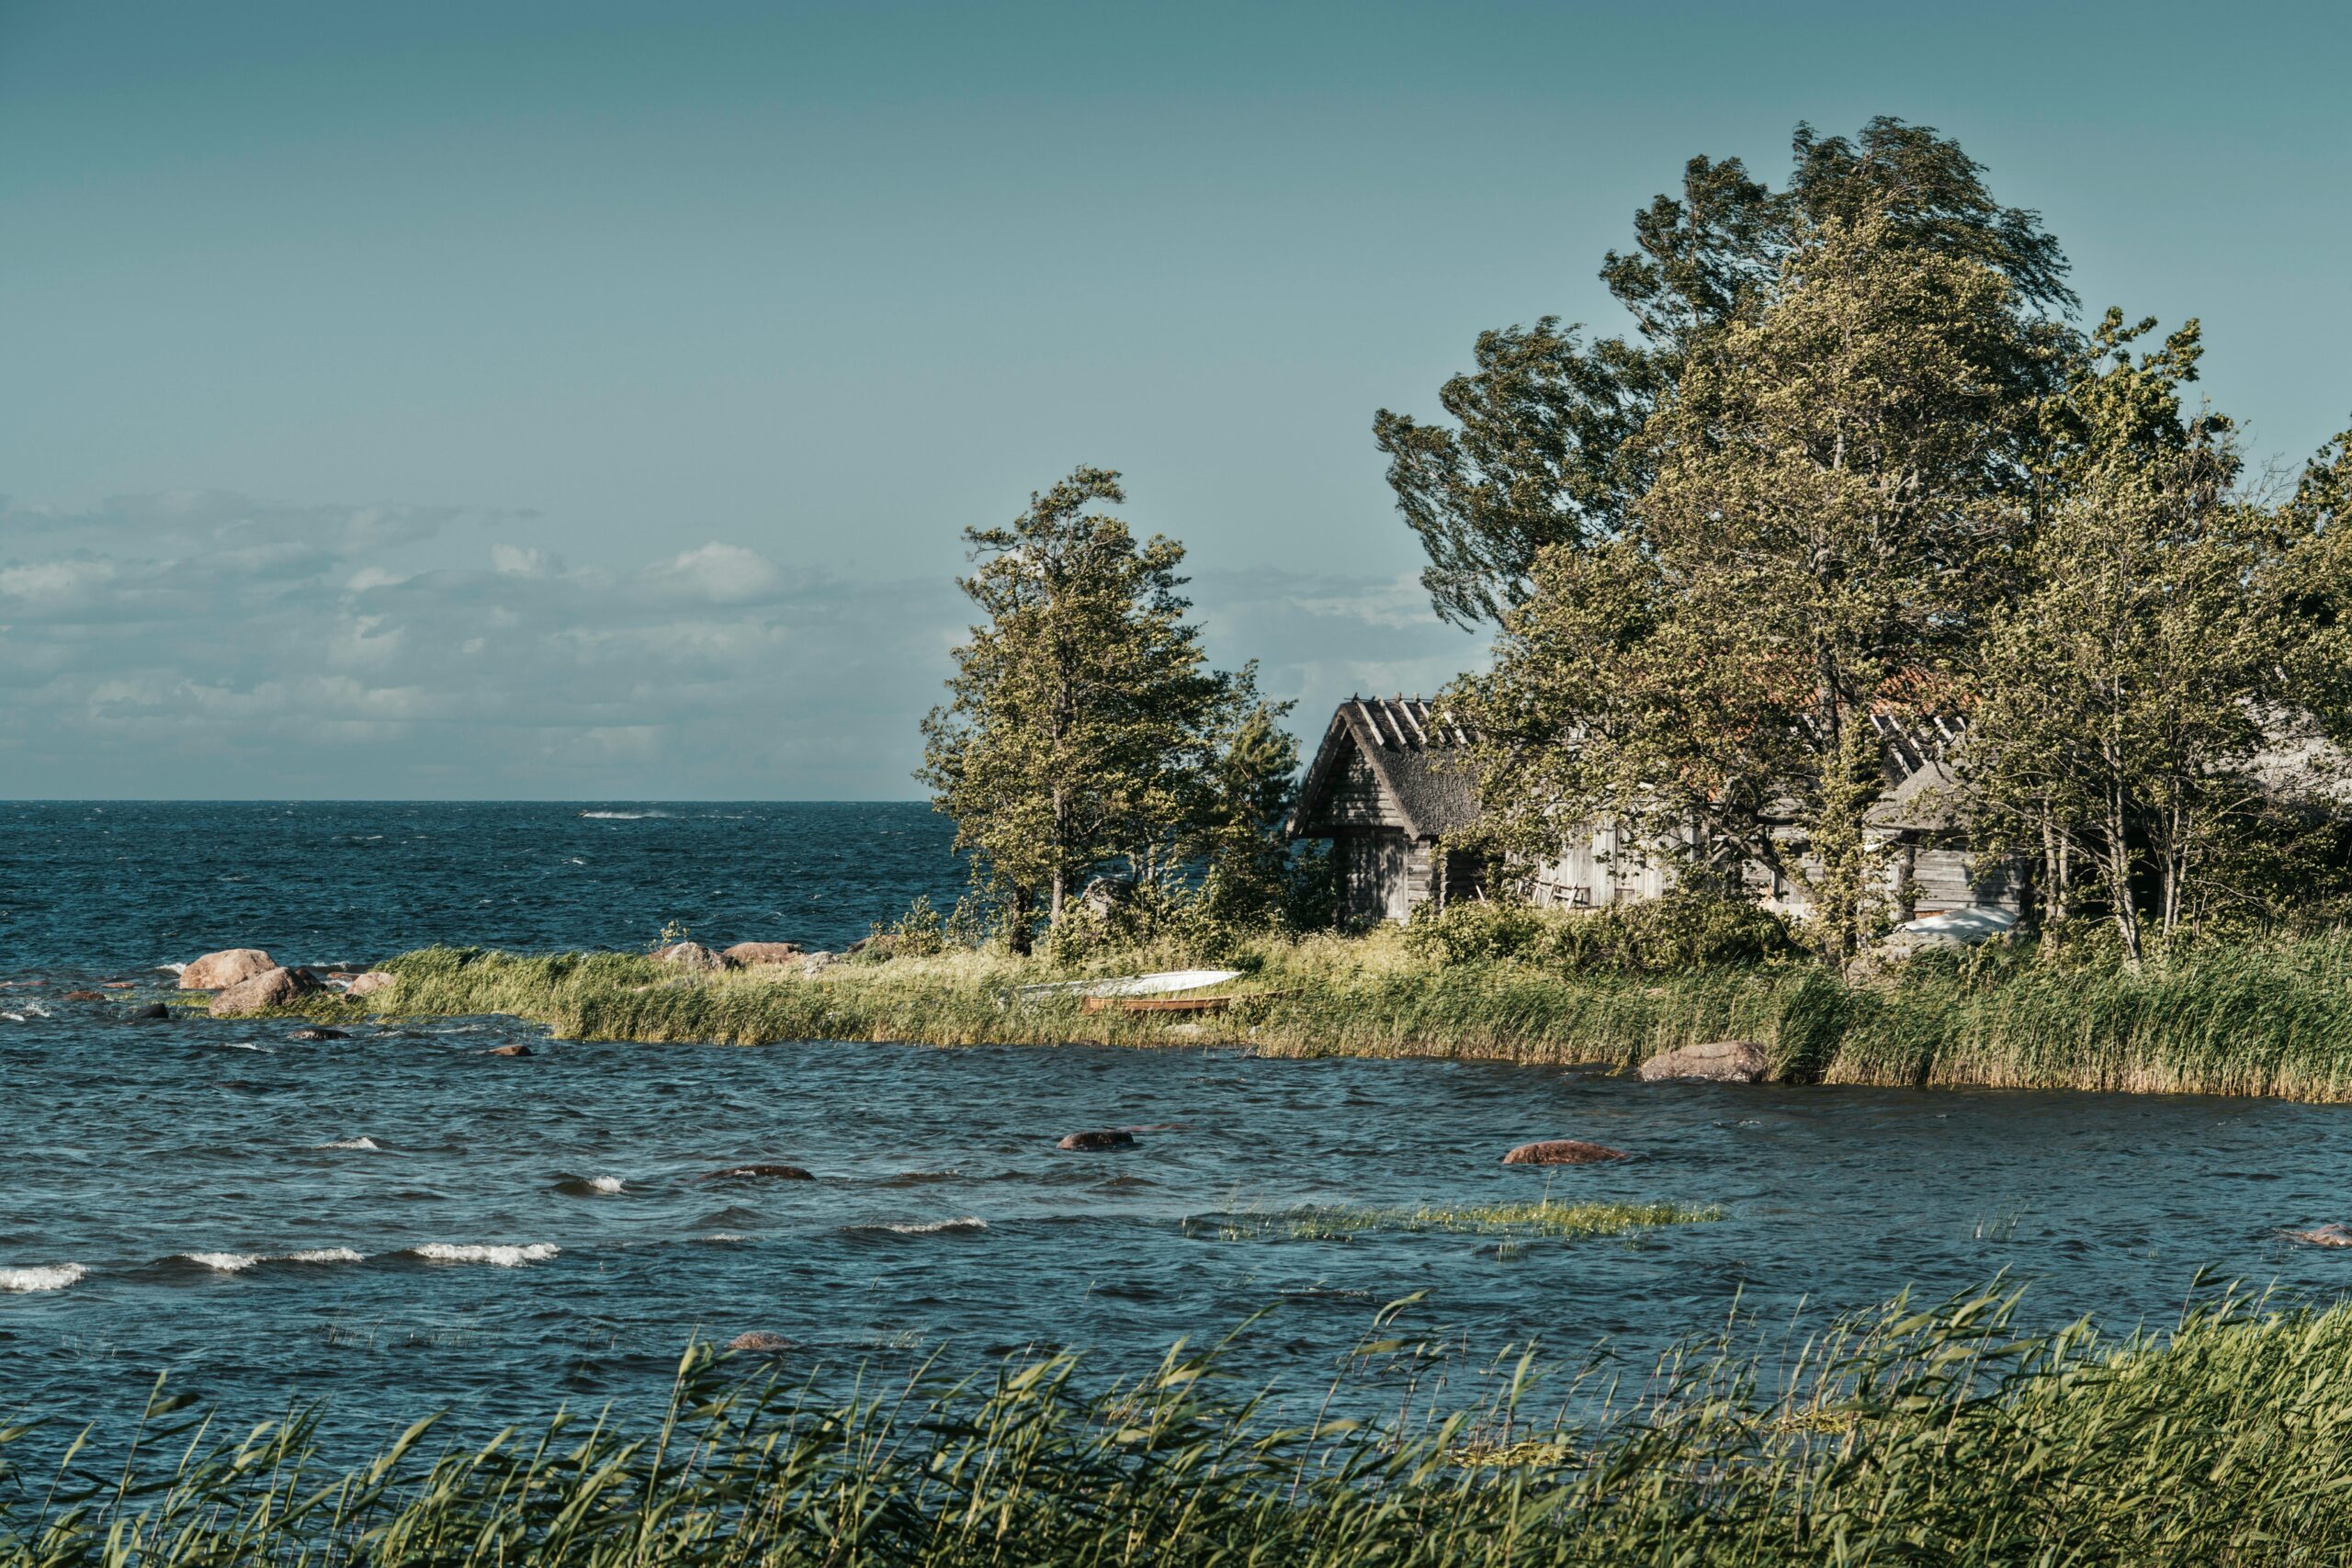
<point x="1682" y="930"/>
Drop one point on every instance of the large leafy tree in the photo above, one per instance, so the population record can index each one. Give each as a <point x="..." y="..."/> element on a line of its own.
<point x="1084" y="729"/>
<point x="1541" y="446"/>
<point x="1834" y="498"/>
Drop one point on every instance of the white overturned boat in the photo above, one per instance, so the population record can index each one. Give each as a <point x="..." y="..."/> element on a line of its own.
<point x="1159" y="985"/>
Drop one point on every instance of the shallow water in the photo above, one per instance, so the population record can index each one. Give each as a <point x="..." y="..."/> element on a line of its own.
<point x="404" y="1223"/>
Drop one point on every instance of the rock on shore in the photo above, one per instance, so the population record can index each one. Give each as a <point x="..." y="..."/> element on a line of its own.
<point x="219" y="970"/>
<point x="745" y="954"/>
<point x="1563" y="1151"/>
<point x="692" y="955"/>
<point x="270" y="989"/>
<point x="1720" y="1061"/>
<point x="372" y="981"/>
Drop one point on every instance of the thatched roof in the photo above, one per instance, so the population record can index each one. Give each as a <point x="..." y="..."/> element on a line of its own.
<point x="1415" y="751"/>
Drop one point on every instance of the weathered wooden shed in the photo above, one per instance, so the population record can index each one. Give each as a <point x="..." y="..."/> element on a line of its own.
<point x="1390" y="780"/>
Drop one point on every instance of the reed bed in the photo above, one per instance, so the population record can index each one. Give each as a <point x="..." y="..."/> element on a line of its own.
<point x="1543" y="1218"/>
<point x="2262" y="1018"/>
<point x="1942" y="1437"/>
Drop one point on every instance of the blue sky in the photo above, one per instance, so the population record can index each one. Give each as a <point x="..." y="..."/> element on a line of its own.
<point x="582" y="401"/>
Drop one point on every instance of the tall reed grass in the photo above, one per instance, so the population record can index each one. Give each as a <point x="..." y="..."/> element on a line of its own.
<point x="2263" y="1019"/>
<point x="1941" y="1437"/>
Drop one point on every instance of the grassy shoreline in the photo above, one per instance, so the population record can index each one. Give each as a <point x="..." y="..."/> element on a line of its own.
<point x="2272" y="1019"/>
<point x="1945" y="1436"/>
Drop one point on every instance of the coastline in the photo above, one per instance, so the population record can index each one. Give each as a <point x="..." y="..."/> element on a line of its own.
<point x="2271" y="1019"/>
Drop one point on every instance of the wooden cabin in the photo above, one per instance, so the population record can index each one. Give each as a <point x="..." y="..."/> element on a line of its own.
<point x="1390" y="780"/>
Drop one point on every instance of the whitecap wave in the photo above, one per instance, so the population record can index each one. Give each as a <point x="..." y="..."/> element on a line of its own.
<point x="622" y="816"/>
<point x="501" y="1257"/>
<point x="369" y="1143"/>
<point x="225" y="1262"/>
<point x="47" y="1277"/>
<point x="606" y="1183"/>
<point x="939" y="1227"/>
<point x="326" y="1255"/>
<point x="173" y="968"/>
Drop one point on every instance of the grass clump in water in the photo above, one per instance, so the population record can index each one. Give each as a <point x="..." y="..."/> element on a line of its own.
<point x="1945" y="1437"/>
<point x="1338" y="1222"/>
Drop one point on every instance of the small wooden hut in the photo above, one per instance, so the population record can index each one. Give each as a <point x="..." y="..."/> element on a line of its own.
<point x="1389" y="781"/>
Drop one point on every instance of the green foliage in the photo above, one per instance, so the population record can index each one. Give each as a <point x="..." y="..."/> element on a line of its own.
<point x="1545" y="450"/>
<point x="1834" y="494"/>
<point x="1812" y="1024"/>
<point x="918" y="933"/>
<point x="1951" y="1435"/>
<point x="1084" y="732"/>
<point x="1681" y="932"/>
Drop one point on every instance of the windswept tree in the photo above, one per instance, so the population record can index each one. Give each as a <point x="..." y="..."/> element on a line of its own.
<point x="1836" y="494"/>
<point x="1084" y="731"/>
<point x="1543" y="449"/>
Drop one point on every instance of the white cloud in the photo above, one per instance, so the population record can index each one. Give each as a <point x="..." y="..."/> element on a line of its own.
<point x="203" y="644"/>
<point x="721" y="573"/>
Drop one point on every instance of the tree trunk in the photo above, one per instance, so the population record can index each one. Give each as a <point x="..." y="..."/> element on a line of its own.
<point x="2119" y="880"/>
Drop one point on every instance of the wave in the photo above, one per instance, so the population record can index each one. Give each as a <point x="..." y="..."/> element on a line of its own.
<point x="47" y="1277"/>
<point x="501" y="1257"/>
<point x="225" y="1262"/>
<point x="369" y="1143"/>
<point x="969" y="1223"/>
<point x="238" y="1262"/>
<point x="623" y="815"/>
<point x="589" y="1186"/>
<point x="606" y="1183"/>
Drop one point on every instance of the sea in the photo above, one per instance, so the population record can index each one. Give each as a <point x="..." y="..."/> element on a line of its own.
<point x="398" y="1223"/>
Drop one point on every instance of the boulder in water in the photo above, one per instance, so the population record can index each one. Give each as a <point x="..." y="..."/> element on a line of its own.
<point x="746" y="954"/>
<point x="2329" y="1234"/>
<point x="372" y="981"/>
<point x="311" y="1036"/>
<point x="270" y="989"/>
<point x="690" y="955"/>
<point x="1105" y="1139"/>
<point x="219" y="970"/>
<point x="759" y="1173"/>
<point x="84" y="997"/>
<point x="1720" y="1061"/>
<point x="761" y="1342"/>
<point x="508" y="1051"/>
<point x="1563" y="1151"/>
<point x="153" y="1011"/>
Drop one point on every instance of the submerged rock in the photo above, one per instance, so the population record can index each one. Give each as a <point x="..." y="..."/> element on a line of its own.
<point x="218" y="971"/>
<point x="508" y="1051"/>
<point x="84" y="997"/>
<point x="372" y="981"/>
<point x="759" y="1173"/>
<point x="761" y="1341"/>
<point x="690" y="955"/>
<point x="270" y="989"/>
<point x="1107" y="1139"/>
<point x="1563" y="1151"/>
<point x="152" y="1010"/>
<point x="1721" y="1061"/>
<point x="2329" y="1234"/>
<point x="745" y="954"/>
<point x="311" y="1036"/>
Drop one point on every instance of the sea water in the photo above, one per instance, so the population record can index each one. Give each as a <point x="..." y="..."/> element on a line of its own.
<point x="399" y="1223"/>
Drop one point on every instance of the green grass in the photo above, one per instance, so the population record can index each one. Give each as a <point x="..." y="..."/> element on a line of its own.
<point x="1943" y="1437"/>
<point x="2263" y="1019"/>
<point x="1542" y="1218"/>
